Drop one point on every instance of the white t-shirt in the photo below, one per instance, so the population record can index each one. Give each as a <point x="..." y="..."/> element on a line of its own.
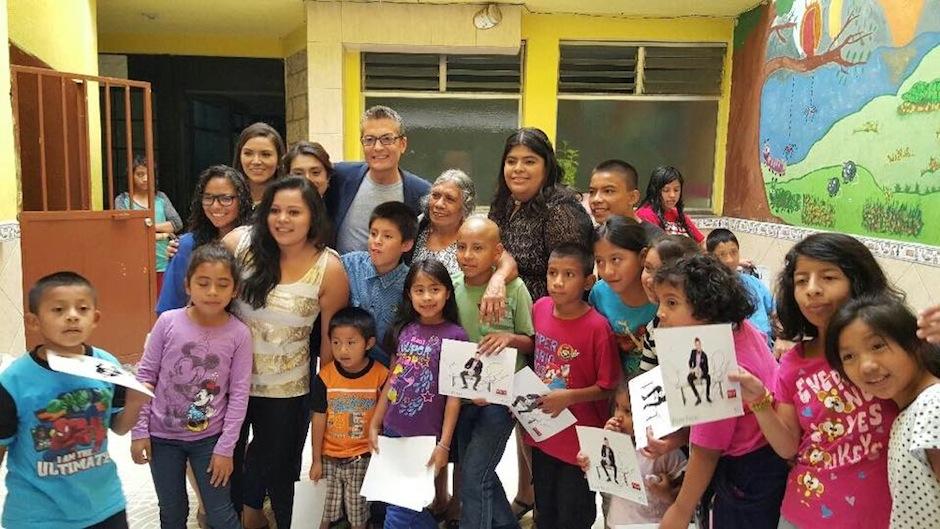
<point x="915" y="489"/>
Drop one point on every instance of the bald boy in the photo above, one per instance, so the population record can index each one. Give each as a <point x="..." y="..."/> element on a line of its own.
<point x="483" y="430"/>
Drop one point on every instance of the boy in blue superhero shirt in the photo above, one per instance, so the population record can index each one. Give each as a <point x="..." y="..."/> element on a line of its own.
<point x="54" y="425"/>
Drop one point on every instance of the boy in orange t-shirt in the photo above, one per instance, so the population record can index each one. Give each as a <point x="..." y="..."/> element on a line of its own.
<point x="344" y="395"/>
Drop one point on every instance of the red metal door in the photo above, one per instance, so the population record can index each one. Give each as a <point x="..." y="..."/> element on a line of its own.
<point x="114" y="250"/>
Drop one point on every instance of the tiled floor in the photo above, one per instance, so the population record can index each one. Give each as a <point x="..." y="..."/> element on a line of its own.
<point x="142" y="510"/>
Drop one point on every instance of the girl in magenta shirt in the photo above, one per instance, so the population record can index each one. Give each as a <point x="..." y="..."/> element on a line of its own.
<point x="663" y="207"/>
<point x="730" y="455"/>
<point x="837" y="433"/>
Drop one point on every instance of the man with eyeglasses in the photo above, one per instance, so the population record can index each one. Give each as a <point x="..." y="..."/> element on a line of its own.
<point x="357" y="187"/>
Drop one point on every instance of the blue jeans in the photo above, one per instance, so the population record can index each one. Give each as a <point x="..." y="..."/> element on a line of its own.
<point x="482" y="432"/>
<point x="403" y="518"/>
<point x="168" y="468"/>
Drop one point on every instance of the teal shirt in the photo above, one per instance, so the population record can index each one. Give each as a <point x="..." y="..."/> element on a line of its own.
<point x="518" y="318"/>
<point x="628" y="323"/>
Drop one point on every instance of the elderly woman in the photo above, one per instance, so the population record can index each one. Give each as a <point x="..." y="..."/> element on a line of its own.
<point x="452" y="199"/>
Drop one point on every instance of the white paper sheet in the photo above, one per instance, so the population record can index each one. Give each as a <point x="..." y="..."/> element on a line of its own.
<point x="648" y="402"/>
<point x="683" y="366"/>
<point x="398" y="474"/>
<point x="614" y="467"/>
<point x="465" y="374"/>
<point x="95" y="368"/>
<point x="309" y="503"/>
<point x="526" y="389"/>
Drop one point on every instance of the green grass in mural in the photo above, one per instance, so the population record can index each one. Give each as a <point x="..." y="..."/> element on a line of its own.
<point x="806" y="201"/>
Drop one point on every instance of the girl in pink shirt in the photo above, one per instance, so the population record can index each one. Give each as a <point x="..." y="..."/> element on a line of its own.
<point x="730" y="455"/>
<point x="662" y="206"/>
<point x="837" y="433"/>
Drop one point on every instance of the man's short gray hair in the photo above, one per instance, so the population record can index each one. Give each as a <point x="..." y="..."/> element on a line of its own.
<point x="382" y="112"/>
<point x="467" y="191"/>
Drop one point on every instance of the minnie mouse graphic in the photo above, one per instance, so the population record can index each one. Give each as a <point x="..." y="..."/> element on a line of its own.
<point x="197" y="417"/>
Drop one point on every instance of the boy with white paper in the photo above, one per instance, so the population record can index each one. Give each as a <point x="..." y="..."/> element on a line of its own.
<point x="576" y="356"/>
<point x="483" y="429"/>
<point x="59" y="471"/>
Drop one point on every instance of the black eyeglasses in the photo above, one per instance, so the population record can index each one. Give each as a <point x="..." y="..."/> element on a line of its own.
<point x="388" y="139"/>
<point x="224" y="200"/>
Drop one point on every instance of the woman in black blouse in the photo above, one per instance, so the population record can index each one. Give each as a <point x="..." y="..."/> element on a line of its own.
<point x="533" y="209"/>
<point x="535" y="212"/>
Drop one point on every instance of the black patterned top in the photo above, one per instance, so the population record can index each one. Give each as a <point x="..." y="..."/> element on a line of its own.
<point x="530" y="234"/>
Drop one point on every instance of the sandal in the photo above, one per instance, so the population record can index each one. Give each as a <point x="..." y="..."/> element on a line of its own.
<point x="524" y="508"/>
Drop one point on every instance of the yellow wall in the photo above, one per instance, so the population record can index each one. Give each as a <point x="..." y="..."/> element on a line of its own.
<point x="353" y="105"/>
<point x="64" y="35"/>
<point x="543" y="33"/>
<point x="9" y="190"/>
<point x="201" y="45"/>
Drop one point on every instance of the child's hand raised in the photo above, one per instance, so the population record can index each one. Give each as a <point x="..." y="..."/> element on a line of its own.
<point x="140" y="451"/>
<point x="316" y="471"/>
<point x="659" y="447"/>
<point x="614" y="424"/>
<point x="221" y="469"/>
<point x="438" y="458"/>
<point x="752" y="389"/>
<point x="928" y="324"/>
<point x="555" y="402"/>
<point x="494" y="342"/>
<point x="660" y="486"/>
<point x="584" y="462"/>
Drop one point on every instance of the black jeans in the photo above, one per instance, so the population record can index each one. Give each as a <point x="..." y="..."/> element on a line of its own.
<point x="115" y="521"/>
<point x="749" y="490"/>
<point x="271" y="461"/>
<point x="562" y="497"/>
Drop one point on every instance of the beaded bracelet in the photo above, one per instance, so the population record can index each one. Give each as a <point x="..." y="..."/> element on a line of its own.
<point x="762" y="403"/>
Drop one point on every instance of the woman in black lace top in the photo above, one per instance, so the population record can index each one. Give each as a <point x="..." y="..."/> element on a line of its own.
<point x="533" y="209"/>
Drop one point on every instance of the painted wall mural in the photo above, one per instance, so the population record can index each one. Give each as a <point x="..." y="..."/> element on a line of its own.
<point x="835" y="117"/>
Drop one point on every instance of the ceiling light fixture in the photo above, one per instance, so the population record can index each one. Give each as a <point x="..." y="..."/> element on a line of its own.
<point x="488" y="17"/>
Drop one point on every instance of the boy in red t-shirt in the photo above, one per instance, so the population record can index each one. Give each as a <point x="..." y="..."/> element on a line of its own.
<point x="576" y="356"/>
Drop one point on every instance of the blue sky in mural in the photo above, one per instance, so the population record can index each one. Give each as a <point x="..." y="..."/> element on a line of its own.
<point x="814" y="102"/>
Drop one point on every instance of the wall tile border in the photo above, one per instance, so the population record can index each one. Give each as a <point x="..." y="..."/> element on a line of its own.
<point x="9" y="230"/>
<point x="904" y="251"/>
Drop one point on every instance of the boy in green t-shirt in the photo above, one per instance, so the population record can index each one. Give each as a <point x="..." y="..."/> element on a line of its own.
<point x="483" y="429"/>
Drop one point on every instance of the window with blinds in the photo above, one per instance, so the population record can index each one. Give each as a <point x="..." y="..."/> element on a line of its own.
<point x="626" y="69"/>
<point x="408" y="72"/>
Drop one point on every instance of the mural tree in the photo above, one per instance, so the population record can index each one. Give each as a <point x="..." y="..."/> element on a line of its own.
<point x="747" y="197"/>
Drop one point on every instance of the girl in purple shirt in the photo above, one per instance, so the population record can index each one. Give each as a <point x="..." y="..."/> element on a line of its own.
<point x="198" y="358"/>
<point x="410" y="404"/>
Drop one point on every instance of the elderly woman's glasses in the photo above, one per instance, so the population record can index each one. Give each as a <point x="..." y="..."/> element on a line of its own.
<point x="224" y="200"/>
<point x="386" y="140"/>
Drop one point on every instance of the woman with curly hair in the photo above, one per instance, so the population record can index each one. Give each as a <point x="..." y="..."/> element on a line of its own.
<point x="731" y="455"/>
<point x="221" y="203"/>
